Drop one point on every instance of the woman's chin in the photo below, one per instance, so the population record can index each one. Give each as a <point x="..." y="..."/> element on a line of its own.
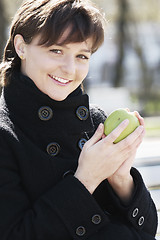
<point x="58" y="98"/>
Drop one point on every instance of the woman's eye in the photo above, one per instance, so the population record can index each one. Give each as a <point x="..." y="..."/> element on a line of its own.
<point x="57" y="51"/>
<point x="81" y="56"/>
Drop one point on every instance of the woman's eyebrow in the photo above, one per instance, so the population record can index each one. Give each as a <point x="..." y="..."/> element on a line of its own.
<point x="81" y="50"/>
<point x="86" y="50"/>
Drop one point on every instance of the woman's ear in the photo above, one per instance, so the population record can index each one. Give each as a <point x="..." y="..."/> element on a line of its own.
<point x="19" y="45"/>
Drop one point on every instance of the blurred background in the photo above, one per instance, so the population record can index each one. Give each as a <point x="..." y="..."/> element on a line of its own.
<point x="124" y="72"/>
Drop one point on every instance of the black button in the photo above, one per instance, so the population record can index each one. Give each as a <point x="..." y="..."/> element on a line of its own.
<point x="82" y="113"/>
<point x="141" y="221"/>
<point x="135" y="212"/>
<point x="80" y="231"/>
<point x="45" y="113"/>
<point x="81" y="143"/>
<point x="96" y="219"/>
<point x="53" y="149"/>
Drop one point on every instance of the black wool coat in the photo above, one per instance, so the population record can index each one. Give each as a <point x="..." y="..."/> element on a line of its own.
<point x="40" y="199"/>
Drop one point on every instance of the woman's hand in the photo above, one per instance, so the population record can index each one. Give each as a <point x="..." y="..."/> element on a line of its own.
<point x="121" y="181"/>
<point x="101" y="158"/>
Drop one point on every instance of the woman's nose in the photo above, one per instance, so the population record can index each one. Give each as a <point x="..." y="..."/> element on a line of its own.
<point x="69" y="66"/>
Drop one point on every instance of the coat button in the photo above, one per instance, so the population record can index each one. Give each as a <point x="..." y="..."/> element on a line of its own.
<point x="81" y="143"/>
<point x="82" y="113"/>
<point x="141" y="221"/>
<point x="53" y="149"/>
<point x="45" y="113"/>
<point x="96" y="219"/>
<point x="135" y="212"/>
<point x="80" y="231"/>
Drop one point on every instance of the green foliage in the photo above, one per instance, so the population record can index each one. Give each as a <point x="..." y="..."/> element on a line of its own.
<point x="152" y="107"/>
<point x="152" y="126"/>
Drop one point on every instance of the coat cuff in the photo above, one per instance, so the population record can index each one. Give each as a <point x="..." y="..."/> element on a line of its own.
<point x="138" y="209"/>
<point x="77" y="208"/>
<point x="140" y="206"/>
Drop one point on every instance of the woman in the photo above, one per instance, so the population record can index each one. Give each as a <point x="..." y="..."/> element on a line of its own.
<point x="60" y="177"/>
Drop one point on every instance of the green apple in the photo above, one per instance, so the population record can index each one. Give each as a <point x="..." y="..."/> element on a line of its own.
<point x="115" y="118"/>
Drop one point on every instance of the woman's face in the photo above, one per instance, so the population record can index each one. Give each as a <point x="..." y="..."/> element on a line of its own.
<point x="59" y="69"/>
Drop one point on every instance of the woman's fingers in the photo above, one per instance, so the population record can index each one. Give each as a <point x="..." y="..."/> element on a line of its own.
<point x="141" y="119"/>
<point x="133" y="139"/>
<point x="117" y="131"/>
<point x="97" y="136"/>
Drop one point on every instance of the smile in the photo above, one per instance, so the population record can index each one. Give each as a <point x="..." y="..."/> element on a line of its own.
<point x="60" y="80"/>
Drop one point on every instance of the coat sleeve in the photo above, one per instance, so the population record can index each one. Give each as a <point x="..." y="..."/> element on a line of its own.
<point x="66" y="211"/>
<point x="140" y="212"/>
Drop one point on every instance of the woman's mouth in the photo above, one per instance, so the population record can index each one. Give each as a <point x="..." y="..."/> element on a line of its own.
<point x="60" y="81"/>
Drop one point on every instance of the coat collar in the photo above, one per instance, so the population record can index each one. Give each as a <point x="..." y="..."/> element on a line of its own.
<point x="25" y="103"/>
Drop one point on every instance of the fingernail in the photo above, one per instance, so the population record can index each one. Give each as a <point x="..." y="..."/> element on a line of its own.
<point x="141" y="128"/>
<point x="100" y="126"/>
<point x="126" y="121"/>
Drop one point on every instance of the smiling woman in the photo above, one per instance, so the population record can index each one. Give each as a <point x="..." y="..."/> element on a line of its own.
<point x="32" y="20"/>
<point x="64" y="177"/>
<point x="66" y="65"/>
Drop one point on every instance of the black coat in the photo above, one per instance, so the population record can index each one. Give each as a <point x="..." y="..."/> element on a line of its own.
<point x="40" y="199"/>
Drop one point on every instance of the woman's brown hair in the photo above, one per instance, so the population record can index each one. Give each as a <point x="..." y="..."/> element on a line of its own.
<point x="50" y="18"/>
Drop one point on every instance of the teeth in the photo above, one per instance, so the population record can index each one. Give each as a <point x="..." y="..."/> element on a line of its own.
<point x="60" y="79"/>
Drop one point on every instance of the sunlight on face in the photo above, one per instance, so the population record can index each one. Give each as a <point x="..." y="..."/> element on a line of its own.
<point x="59" y="69"/>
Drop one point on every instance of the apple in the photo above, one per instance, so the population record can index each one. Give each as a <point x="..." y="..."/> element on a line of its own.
<point x="115" y="118"/>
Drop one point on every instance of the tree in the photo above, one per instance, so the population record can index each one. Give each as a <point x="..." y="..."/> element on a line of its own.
<point x="122" y="39"/>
